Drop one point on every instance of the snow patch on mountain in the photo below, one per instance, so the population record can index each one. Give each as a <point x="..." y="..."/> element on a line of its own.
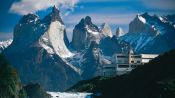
<point x="77" y="59"/>
<point x="141" y="18"/>
<point x="53" y="40"/>
<point x="90" y="31"/>
<point x="162" y="19"/>
<point x="48" y="49"/>
<point x="5" y="44"/>
<point x="138" y="40"/>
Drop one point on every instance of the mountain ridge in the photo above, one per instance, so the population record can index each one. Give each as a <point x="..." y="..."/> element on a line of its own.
<point x="42" y="54"/>
<point x="45" y="58"/>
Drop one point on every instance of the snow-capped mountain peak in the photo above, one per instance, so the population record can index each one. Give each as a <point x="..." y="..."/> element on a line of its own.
<point x="147" y="31"/>
<point x="141" y="25"/>
<point x="53" y="40"/>
<point x="38" y="51"/>
<point x="84" y="33"/>
<point x="106" y="30"/>
<point x="29" y="19"/>
<point x="48" y="33"/>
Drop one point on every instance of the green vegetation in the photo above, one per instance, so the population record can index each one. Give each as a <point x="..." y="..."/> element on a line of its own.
<point x="10" y="84"/>
<point x="11" y="87"/>
<point x="36" y="91"/>
<point x="153" y="80"/>
<point x="89" y="85"/>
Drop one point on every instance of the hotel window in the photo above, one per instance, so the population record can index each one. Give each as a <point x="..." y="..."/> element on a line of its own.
<point x="138" y="62"/>
<point x="136" y="56"/>
<point x="121" y="56"/>
<point x="119" y="61"/>
<point x="123" y="66"/>
<point x="132" y="61"/>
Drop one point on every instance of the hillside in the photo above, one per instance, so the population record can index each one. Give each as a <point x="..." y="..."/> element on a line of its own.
<point x="153" y="80"/>
<point x="11" y="86"/>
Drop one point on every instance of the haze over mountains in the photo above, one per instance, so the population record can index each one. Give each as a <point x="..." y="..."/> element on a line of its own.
<point x="41" y="52"/>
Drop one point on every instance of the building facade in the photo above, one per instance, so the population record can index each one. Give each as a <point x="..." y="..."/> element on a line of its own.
<point x="124" y="63"/>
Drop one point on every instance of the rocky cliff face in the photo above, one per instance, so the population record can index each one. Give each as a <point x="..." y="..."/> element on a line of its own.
<point x="93" y="47"/>
<point x="92" y="58"/>
<point x="110" y="46"/>
<point x="84" y="33"/>
<point x="87" y="60"/>
<point x="38" y="51"/>
<point x="48" y="33"/>
<point x="55" y="16"/>
<point x="140" y="25"/>
<point x="53" y="40"/>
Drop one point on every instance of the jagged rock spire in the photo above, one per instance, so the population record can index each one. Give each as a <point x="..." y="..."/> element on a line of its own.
<point x="55" y="10"/>
<point x="88" y="20"/>
<point x="105" y="29"/>
<point x="53" y="16"/>
<point x="119" y="32"/>
<point x="84" y="32"/>
<point x="85" y="21"/>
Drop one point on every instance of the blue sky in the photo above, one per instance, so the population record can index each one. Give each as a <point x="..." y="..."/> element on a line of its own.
<point x="114" y="12"/>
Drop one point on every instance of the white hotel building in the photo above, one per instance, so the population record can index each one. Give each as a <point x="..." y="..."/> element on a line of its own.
<point x="124" y="63"/>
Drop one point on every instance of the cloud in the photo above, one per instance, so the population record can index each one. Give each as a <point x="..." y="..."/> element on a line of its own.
<point x="31" y="6"/>
<point x="106" y="0"/>
<point x="99" y="18"/>
<point x="160" y="4"/>
<point x="5" y="36"/>
<point x="69" y="31"/>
